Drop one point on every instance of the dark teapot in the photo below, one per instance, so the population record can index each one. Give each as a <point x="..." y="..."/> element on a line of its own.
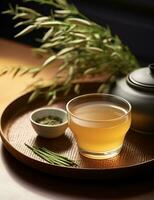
<point x="138" y="89"/>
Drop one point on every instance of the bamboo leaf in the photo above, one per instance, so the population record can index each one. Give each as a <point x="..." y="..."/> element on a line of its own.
<point x="23" y="23"/>
<point x="35" y="71"/>
<point x="34" y="96"/>
<point x="71" y="28"/>
<point x="54" y="95"/>
<point x="28" y="29"/>
<point x="80" y="35"/>
<point x="58" y="33"/>
<point x="10" y="11"/>
<point x="60" y="15"/>
<point x="79" y="21"/>
<point x="47" y="45"/>
<point x="62" y="2"/>
<point x="77" y="88"/>
<point x="48" y="34"/>
<point x="29" y="10"/>
<point x="24" y="71"/>
<point x="71" y="71"/>
<point x="22" y="15"/>
<point x="65" y="50"/>
<point x="62" y="11"/>
<point x="102" y="88"/>
<point x="78" y="41"/>
<point x="52" y="23"/>
<point x="4" y="71"/>
<point x="49" y="60"/>
<point x="40" y="51"/>
<point x="42" y="19"/>
<point x="62" y="67"/>
<point x="57" y="38"/>
<point x="90" y="71"/>
<point x="94" y="49"/>
<point x="17" y="70"/>
<point x="116" y="54"/>
<point x="50" y="45"/>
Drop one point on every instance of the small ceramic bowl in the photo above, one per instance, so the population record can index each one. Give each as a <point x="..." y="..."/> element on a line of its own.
<point x="49" y="130"/>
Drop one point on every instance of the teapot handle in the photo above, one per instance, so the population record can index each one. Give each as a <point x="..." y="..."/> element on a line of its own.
<point x="151" y="67"/>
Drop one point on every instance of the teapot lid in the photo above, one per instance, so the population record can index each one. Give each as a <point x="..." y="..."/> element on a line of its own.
<point x="142" y="78"/>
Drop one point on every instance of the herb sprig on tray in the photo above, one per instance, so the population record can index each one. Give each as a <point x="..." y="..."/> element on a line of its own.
<point x="52" y="157"/>
<point x="85" y="48"/>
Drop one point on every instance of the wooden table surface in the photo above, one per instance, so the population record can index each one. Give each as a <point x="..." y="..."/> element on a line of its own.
<point x="20" y="182"/>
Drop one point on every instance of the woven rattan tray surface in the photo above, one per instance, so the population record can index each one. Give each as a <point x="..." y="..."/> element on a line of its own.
<point x="137" y="154"/>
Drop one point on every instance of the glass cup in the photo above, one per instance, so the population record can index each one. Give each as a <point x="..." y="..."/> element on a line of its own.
<point x="99" y="123"/>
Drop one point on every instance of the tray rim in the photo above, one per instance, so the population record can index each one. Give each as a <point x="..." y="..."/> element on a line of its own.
<point x="18" y="154"/>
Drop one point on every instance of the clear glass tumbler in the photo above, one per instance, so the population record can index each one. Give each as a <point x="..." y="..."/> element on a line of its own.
<point x="99" y="123"/>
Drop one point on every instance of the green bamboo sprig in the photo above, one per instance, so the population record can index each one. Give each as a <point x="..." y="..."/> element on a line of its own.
<point x="56" y="3"/>
<point x="18" y="70"/>
<point x="52" y="157"/>
<point x="86" y="48"/>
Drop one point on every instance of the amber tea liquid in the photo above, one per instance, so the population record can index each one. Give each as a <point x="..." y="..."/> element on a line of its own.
<point x="99" y="128"/>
